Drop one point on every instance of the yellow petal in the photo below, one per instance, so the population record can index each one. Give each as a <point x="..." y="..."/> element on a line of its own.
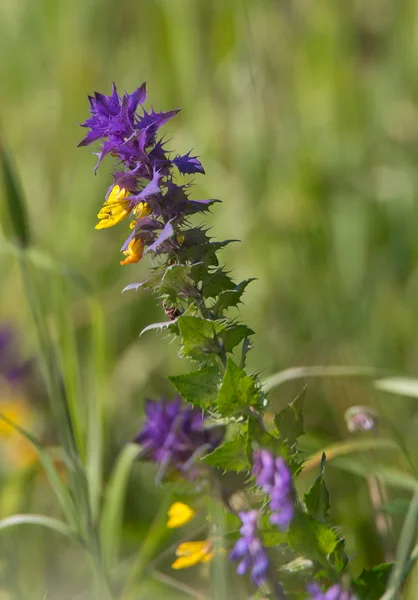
<point x="117" y="194"/>
<point x="142" y="209"/>
<point x="134" y="251"/>
<point x="192" y="553"/>
<point x="111" y="214"/>
<point x="179" y="514"/>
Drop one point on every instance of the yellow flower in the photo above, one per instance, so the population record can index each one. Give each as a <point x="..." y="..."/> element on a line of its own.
<point x="18" y="450"/>
<point x="115" y="209"/>
<point x="192" y="553"/>
<point x="134" y="251"/>
<point x="141" y="210"/>
<point x="179" y="514"/>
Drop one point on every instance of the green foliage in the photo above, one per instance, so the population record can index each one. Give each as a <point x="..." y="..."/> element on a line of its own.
<point x="317" y="497"/>
<point x="289" y="421"/>
<point x="199" y="387"/>
<point x="230" y="456"/>
<point x="198" y="337"/>
<point x="258" y="436"/>
<point x="238" y="392"/>
<point x="371" y="584"/>
<point x="230" y="297"/>
<point x="16" y="208"/>
<point x="312" y="539"/>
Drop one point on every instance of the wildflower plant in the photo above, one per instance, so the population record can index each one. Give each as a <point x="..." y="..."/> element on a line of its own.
<point x="235" y="463"/>
<point x="216" y="424"/>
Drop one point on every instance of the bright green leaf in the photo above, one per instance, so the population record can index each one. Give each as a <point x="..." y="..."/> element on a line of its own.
<point x="198" y="336"/>
<point x="199" y="387"/>
<point x="312" y="539"/>
<point x="289" y="421"/>
<point x="317" y="498"/>
<point x="238" y="391"/>
<point x="231" y="456"/>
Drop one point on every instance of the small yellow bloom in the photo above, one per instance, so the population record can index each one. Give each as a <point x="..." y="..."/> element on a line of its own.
<point x="134" y="251"/>
<point x="19" y="452"/>
<point x="115" y="209"/>
<point x="141" y="210"/>
<point x="179" y="514"/>
<point x="192" y="553"/>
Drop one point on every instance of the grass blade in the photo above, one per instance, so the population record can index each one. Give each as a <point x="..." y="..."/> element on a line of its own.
<point x="16" y="208"/>
<point x="42" y="520"/>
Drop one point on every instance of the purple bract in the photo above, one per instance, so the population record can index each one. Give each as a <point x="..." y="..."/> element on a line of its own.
<point x="336" y="592"/>
<point x="249" y="550"/>
<point x="174" y="434"/>
<point x="274" y="476"/>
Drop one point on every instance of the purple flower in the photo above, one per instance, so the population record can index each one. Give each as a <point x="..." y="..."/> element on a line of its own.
<point x="249" y="550"/>
<point x="274" y="476"/>
<point x="336" y="592"/>
<point x="361" y="418"/>
<point x="12" y="369"/>
<point x="174" y="434"/>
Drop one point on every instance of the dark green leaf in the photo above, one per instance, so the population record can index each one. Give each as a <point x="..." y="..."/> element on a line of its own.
<point x="199" y="387"/>
<point x="230" y="298"/>
<point x="338" y="558"/>
<point x="231" y="456"/>
<point x="257" y="435"/>
<point x="371" y="584"/>
<point x="312" y="539"/>
<point x="233" y="334"/>
<point x="238" y="391"/>
<point x="16" y="207"/>
<point x="317" y="497"/>
<point x="176" y="283"/>
<point x="289" y="421"/>
<point x="198" y="336"/>
<point x="213" y="283"/>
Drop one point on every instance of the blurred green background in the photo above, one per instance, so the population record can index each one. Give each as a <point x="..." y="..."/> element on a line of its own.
<point x="305" y="116"/>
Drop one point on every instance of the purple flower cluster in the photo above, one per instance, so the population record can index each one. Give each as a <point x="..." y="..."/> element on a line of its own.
<point x="143" y="186"/>
<point x="249" y="550"/>
<point x="336" y="592"/>
<point x="274" y="476"/>
<point x="174" y="434"/>
<point x="12" y="369"/>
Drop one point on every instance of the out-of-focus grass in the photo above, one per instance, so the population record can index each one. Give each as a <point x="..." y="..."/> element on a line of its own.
<point x="305" y="115"/>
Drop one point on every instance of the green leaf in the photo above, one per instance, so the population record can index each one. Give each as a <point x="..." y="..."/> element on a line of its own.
<point x="15" y="201"/>
<point x="318" y="371"/>
<point x="312" y="539"/>
<point x="238" y="391"/>
<point x="338" y="558"/>
<point x="176" y="283"/>
<point x="231" y="456"/>
<point x="258" y="435"/>
<point x="198" y="336"/>
<point x="317" y="497"/>
<point x="42" y="520"/>
<point x="230" y="298"/>
<point x="233" y="334"/>
<point x="112" y="514"/>
<point x="60" y="490"/>
<point x="199" y="387"/>
<point x="402" y="386"/>
<point x="371" y="584"/>
<point x="216" y="282"/>
<point x="289" y="421"/>
<point x="170" y="325"/>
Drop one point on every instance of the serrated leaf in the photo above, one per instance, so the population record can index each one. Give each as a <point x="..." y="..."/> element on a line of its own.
<point x="176" y="283"/>
<point x="371" y="584"/>
<point x="338" y="558"/>
<point x="215" y="282"/>
<point x="198" y="336"/>
<point x="233" y="334"/>
<point x="289" y="421"/>
<point x="259" y="436"/>
<point x="230" y="298"/>
<point x="230" y="456"/>
<point x="199" y="387"/>
<point x="238" y="391"/>
<point x="312" y="539"/>
<point x="153" y="281"/>
<point x="317" y="497"/>
<point x="170" y="325"/>
<point x="15" y="201"/>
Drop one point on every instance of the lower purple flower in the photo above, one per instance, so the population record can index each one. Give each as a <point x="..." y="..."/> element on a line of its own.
<point x="249" y="549"/>
<point x="174" y="434"/>
<point x="274" y="476"/>
<point x="336" y="592"/>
